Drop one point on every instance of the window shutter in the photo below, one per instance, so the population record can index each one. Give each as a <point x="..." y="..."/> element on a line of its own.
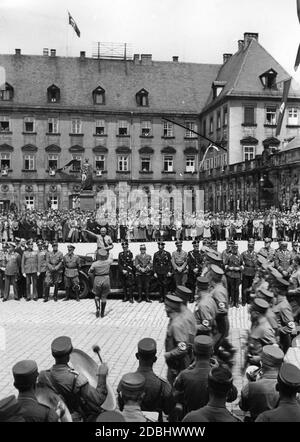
<point x="249" y="115"/>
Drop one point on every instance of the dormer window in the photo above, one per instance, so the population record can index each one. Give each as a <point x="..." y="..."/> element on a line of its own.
<point x="99" y="95"/>
<point x="53" y="93"/>
<point x="142" y="98"/>
<point x="217" y="88"/>
<point x="7" y="94"/>
<point x="268" y="79"/>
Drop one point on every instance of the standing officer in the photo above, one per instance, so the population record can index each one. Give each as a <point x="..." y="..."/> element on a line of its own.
<point x="234" y="267"/>
<point x="178" y="348"/>
<point x="283" y="260"/>
<point x="20" y="248"/>
<point x="72" y="266"/>
<point x="179" y="263"/>
<point x="249" y="263"/>
<point x="126" y="269"/>
<point x="54" y="269"/>
<point x="12" y="270"/>
<point x="42" y="265"/>
<point x="194" y="263"/>
<point x="227" y="251"/>
<point x="284" y="314"/>
<point x="143" y="265"/>
<point x="30" y="270"/>
<point x="25" y="374"/>
<point x="205" y="308"/>
<point x="3" y="261"/>
<point x="162" y="268"/>
<point x="267" y="251"/>
<point x="101" y="285"/>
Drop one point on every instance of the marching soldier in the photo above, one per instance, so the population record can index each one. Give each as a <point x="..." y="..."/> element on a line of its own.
<point x="205" y="309"/>
<point x="101" y="285"/>
<point x="12" y="270"/>
<point x="25" y="374"/>
<point x="268" y="296"/>
<point x="178" y="348"/>
<point x="162" y="268"/>
<point x="179" y="263"/>
<point x="249" y="263"/>
<point x="185" y="294"/>
<point x="42" y="266"/>
<point x="267" y="251"/>
<point x="80" y="397"/>
<point x="54" y="269"/>
<point x="284" y="314"/>
<point x="194" y="263"/>
<point x="283" y="260"/>
<point x="233" y="268"/>
<point x="126" y="269"/>
<point x="30" y="270"/>
<point x="143" y="267"/>
<point x="72" y="266"/>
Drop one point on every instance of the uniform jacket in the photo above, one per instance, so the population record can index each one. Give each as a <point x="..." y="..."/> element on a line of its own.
<point x="42" y="260"/>
<point x="72" y="265"/>
<point x="179" y="259"/>
<point x="284" y="315"/>
<point x="283" y="261"/>
<point x="54" y="261"/>
<point x="178" y="343"/>
<point x="33" y="411"/>
<point x="143" y="261"/>
<point x="30" y="262"/>
<point x="125" y="261"/>
<point x="205" y="314"/>
<point x="13" y="264"/>
<point x="220" y="295"/>
<point x="249" y="261"/>
<point x="236" y="262"/>
<point x="195" y="260"/>
<point x="162" y="262"/>
<point x="287" y="411"/>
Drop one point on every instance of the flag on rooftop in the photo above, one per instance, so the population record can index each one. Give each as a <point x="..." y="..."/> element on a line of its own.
<point x="73" y="24"/>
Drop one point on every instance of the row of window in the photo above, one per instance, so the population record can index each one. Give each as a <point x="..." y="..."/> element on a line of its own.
<point x="123" y="163"/>
<point x="249" y="153"/>
<point x="29" y="126"/>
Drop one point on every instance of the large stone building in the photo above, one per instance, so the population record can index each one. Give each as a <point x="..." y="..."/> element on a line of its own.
<point x="54" y="109"/>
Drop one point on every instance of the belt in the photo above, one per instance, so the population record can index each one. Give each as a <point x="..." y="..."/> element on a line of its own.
<point x="104" y="274"/>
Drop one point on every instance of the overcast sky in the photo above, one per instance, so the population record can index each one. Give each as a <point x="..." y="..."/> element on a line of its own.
<point x="196" y="30"/>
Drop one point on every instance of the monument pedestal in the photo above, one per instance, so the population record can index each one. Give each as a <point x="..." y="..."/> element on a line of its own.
<point x="87" y="200"/>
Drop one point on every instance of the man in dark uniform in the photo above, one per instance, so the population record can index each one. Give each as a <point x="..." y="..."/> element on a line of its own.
<point x="126" y="269"/>
<point x="21" y="283"/>
<point x="3" y="262"/>
<point x="162" y="268"/>
<point x="233" y="268"/>
<point x="262" y="395"/>
<point x="284" y="314"/>
<point x="42" y="267"/>
<point x="157" y="391"/>
<point x="72" y="266"/>
<point x="178" y="348"/>
<point x="249" y="263"/>
<point x="194" y="263"/>
<point x="10" y="410"/>
<point x="219" y="385"/>
<point x="80" y="397"/>
<point x="54" y="269"/>
<point x="191" y="385"/>
<point x="12" y="271"/>
<point x="288" y="385"/>
<point x="25" y="375"/>
<point x="205" y="309"/>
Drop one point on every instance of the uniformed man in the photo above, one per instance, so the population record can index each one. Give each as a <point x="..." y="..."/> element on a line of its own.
<point x="191" y="385"/>
<point x="213" y="258"/>
<point x="268" y="296"/>
<point x="288" y="408"/>
<point x="294" y="290"/>
<point x="20" y="248"/>
<point x="143" y="266"/>
<point x="42" y="267"/>
<point x="191" y="325"/>
<point x="178" y="348"/>
<point x="71" y="278"/>
<point x="249" y="263"/>
<point x="157" y="391"/>
<point x="194" y="263"/>
<point x="3" y="262"/>
<point x="179" y="264"/>
<point x="267" y="251"/>
<point x="227" y="252"/>
<point x="233" y="269"/>
<point x="283" y="260"/>
<point x="262" y="395"/>
<point x="30" y="270"/>
<point x="261" y="333"/>
<point x="10" y="410"/>
<point x="12" y="270"/>
<point x="104" y="241"/>
<point x="219" y="385"/>
<point x="295" y="249"/>
<point x="80" y="397"/>
<point x="126" y="269"/>
<point x="205" y="309"/>
<point x="25" y="374"/>
<point x="284" y="314"/>
<point x="162" y="268"/>
<point x="130" y="397"/>
<point x="101" y="285"/>
<point x="54" y="270"/>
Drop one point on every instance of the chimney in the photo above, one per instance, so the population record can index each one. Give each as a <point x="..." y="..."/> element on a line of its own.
<point x="248" y="36"/>
<point x="18" y="51"/>
<point x="82" y="55"/>
<point x="52" y="52"/>
<point x="226" y="57"/>
<point x="240" y="45"/>
<point x="136" y="58"/>
<point x="175" y="58"/>
<point x="46" y="52"/>
<point x="146" y="59"/>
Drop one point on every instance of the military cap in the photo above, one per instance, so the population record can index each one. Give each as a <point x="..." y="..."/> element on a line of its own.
<point x="54" y="243"/>
<point x="263" y="253"/>
<point x="284" y="243"/>
<point x="61" y="346"/>
<point x="173" y="301"/>
<point x="40" y="241"/>
<point x="132" y="383"/>
<point x="261" y="259"/>
<point x="11" y="244"/>
<point x="195" y="242"/>
<point x="217" y="270"/>
<point x="29" y="242"/>
<point x="142" y="246"/>
<point x="124" y="243"/>
<point x="282" y="283"/>
<point x="203" y="345"/>
<point x="214" y="258"/>
<point x="25" y="372"/>
<point x="289" y="375"/>
<point x="235" y="245"/>
<point x="160" y="243"/>
<point x="9" y="408"/>
<point x="183" y="292"/>
<point x="267" y="239"/>
<point x="202" y="282"/>
<point x="147" y="347"/>
<point x="205" y="248"/>
<point x="17" y="239"/>
<point x="272" y="356"/>
<point x="102" y="253"/>
<point x="70" y="246"/>
<point x="111" y="416"/>
<point x="260" y="305"/>
<point x="275" y="272"/>
<point x="220" y="379"/>
<point x="266" y="292"/>
<point x="178" y="243"/>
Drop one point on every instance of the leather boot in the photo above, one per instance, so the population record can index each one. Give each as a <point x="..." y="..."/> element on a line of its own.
<point x="55" y="293"/>
<point x="97" y="302"/>
<point x="46" y="294"/>
<point x="125" y="297"/>
<point x="67" y="295"/>
<point x="77" y="295"/>
<point x="103" y="305"/>
<point x="131" y="297"/>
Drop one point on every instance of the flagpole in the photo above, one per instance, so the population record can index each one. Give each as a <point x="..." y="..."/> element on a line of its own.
<point x="67" y="42"/>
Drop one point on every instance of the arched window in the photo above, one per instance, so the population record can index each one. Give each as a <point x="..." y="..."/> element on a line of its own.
<point x="7" y="94"/>
<point x="53" y="94"/>
<point x="142" y="98"/>
<point x="99" y="95"/>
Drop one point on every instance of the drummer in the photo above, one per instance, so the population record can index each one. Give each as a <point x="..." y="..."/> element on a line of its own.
<point x="83" y="400"/>
<point x="101" y="286"/>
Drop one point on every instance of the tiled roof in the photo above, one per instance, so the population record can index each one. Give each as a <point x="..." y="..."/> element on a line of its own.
<point x="172" y="86"/>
